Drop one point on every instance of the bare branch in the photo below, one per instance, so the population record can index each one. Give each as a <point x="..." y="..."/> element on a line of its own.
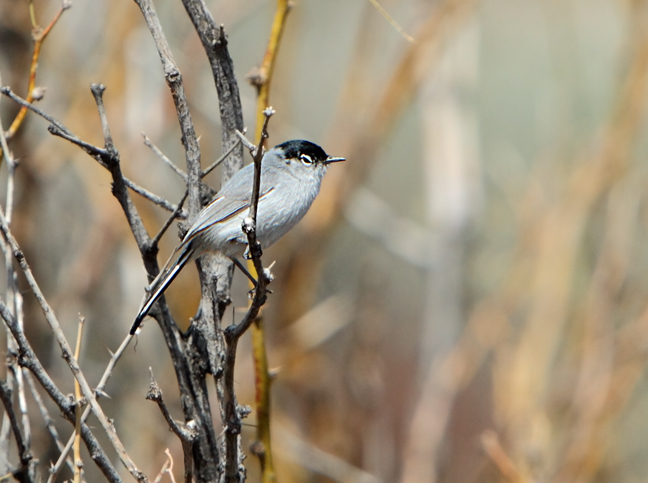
<point x="220" y="160"/>
<point x="187" y="434"/>
<point x="103" y="156"/>
<point x="233" y="414"/>
<point x="251" y="147"/>
<point x="176" y="214"/>
<point x="28" y="359"/>
<point x="99" y="390"/>
<point x="174" y="81"/>
<point x="67" y="352"/>
<point x="39" y="36"/>
<point x="163" y="157"/>
<point x="158" y="200"/>
<point x="26" y="472"/>
<point x="214" y="42"/>
<point x="49" y="421"/>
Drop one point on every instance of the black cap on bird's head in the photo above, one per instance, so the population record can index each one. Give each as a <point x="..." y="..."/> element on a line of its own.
<point x="307" y="152"/>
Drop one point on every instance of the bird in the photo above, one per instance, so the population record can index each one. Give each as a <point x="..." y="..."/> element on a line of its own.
<point x="291" y="176"/>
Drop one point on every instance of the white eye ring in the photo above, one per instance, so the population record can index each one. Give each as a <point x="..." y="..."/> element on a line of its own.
<point x="306" y="159"/>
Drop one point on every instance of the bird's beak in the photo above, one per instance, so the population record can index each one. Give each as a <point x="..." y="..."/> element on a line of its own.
<point x="331" y="159"/>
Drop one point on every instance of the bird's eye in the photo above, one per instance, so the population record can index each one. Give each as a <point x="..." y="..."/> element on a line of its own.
<point x="306" y="159"/>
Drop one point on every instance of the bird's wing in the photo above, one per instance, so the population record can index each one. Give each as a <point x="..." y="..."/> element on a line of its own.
<point x="218" y="210"/>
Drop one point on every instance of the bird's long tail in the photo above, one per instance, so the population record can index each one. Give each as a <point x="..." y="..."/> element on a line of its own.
<point x="161" y="286"/>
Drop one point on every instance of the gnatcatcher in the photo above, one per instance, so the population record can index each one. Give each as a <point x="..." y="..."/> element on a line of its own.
<point x="291" y="175"/>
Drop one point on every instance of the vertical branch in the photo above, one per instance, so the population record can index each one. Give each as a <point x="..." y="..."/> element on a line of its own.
<point x="234" y="472"/>
<point x="214" y="42"/>
<point x="263" y="77"/>
<point x="173" y="79"/>
<point x="78" y="463"/>
<point x="262" y="81"/>
<point x="26" y="471"/>
<point x="262" y="447"/>
<point x="13" y="295"/>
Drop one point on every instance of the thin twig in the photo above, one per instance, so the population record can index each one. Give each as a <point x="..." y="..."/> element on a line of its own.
<point x="24" y="452"/>
<point x="163" y="157"/>
<point x="78" y="462"/>
<point x="186" y="433"/>
<point x="102" y="156"/>
<point x="174" y="81"/>
<point x="176" y="214"/>
<point x="55" y="326"/>
<point x="49" y="421"/>
<point x="221" y="159"/>
<point x="6" y="90"/>
<point x="29" y="360"/>
<point x="235" y="331"/>
<point x="214" y="41"/>
<point x="158" y="200"/>
<point x="251" y="147"/>
<point x="39" y="36"/>
<point x="99" y="390"/>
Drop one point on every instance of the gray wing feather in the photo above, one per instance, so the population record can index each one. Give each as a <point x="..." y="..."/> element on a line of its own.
<point x="233" y="198"/>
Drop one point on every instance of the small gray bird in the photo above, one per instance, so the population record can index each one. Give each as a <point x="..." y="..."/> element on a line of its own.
<point x="291" y="175"/>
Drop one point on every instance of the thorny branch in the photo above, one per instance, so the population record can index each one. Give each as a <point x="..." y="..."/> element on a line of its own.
<point x="186" y="433"/>
<point x="100" y="155"/>
<point x="68" y="355"/>
<point x="262" y="80"/>
<point x="235" y="331"/>
<point x="200" y="445"/>
<point x="27" y="358"/>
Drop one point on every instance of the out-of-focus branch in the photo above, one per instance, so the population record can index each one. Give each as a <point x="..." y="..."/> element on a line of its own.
<point x="39" y="37"/>
<point x="262" y="78"/>
<point x="360" y="141"/>
<point x="491" y="444"/>
<point x="392" y="22"/>
<point x="167" y="468"/>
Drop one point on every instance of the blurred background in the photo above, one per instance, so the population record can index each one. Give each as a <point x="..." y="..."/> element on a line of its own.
<point x="466" y="300"/>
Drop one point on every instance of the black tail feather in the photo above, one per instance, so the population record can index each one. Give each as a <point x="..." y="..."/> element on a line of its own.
<point x="164" y="283"/>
